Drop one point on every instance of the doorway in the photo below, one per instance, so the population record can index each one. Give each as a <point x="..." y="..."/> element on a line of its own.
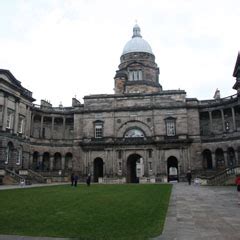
<point x="172" y="169"/>
<point x="97" y="169"/>
<point x="133" y="172"/>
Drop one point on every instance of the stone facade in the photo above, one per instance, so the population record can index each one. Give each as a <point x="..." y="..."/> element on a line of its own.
<point x="139" y="133"/>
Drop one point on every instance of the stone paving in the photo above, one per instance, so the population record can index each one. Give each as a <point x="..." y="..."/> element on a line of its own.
<point x="195" y="213"/>
<point x="202" y="213"/>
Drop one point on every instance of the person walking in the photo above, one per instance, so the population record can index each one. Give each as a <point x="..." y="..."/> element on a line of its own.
<point x="72" y="179"/>
<point x="237" y="181"/>
<point x="189" y="176"/>
<point x="75" y="180"/>
<point x="88" y="180"/>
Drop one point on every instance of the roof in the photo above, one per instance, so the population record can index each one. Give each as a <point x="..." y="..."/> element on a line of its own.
<point x="137" y="43"/>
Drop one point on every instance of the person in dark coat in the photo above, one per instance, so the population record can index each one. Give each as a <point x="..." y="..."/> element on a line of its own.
<point x="189" y="177"/>
<point x="75" y="180"/>
<point x="72" y="179"/>
<point x="88" y="180"/>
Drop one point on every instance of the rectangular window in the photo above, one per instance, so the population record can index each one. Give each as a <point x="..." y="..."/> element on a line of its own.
<point x="19" y="158"/>
<point x="135" y="75"/>
<point x="119" y="154"/>
<point x="98" y="131"/>
<point x="21" y="125"/>
<point x="171" y="128"/>
<point x="150" y="153"/>
<point x="9" y="120"/>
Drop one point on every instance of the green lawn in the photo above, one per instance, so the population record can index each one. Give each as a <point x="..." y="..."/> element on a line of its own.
<point x="130" y="211"/>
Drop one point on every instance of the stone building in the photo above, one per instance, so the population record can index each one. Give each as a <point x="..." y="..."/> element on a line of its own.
<point x="140" y="133"/>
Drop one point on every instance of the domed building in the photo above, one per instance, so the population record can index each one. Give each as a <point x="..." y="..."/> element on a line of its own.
<point x="140" y="133"/>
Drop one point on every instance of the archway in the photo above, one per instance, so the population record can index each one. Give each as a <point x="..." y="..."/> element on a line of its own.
<point x="231" y="160"/>
<point x="68" y="161"/>
<point x="57" y="161"/>
<point x="133" y="172"/>
<point x="46" y="162"/>
<point x="172" y="169"/>
<point x="35" y="162"/>
<point x="220" y="162"/>
<point x="207" y="159"/>
<point x="97" y="169"/>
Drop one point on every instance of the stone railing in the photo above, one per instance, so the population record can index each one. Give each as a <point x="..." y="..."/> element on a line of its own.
<point x="15" y="176"/>
<point x="222" y="177"/>
<point x="36" y="176"/>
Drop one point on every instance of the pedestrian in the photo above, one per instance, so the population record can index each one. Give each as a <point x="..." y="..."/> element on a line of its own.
<point x="88" y="180"/>
<point x="72" y="179"/>
<point x="75" y="180"/>
<point x="189" y="177"/>
<point x="237" y="181"/>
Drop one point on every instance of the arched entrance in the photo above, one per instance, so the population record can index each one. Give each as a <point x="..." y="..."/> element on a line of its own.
<point x="35" y="162"/>
<point x="45" y="162"/>
<point x="57" y="162"/>
<point x="172" y="169"/>
<point x="219" y="155"/>
<point x="207" y="159"/>
<point x="133" y="172"/>
<point x="68" y="161"/>
<point x="97" y="169"/>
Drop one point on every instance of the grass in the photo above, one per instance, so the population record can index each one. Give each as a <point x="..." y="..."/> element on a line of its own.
<point x="132" y="211"/>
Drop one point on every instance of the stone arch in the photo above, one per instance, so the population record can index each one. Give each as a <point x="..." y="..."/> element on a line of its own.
<point x="231" y="159"/>
<point x="35" y="161"/>
<point x="57" y="161"/>
<point x="68" y="161"/>
<point x="134" y="168"/>
<point x="97" y="169"/>
<point x="45" y="166"/>
<point x="219" y="156"/>
<point x="207" y="162"/>
<point x="172" y="168"/>
<point x="134" y="124"/>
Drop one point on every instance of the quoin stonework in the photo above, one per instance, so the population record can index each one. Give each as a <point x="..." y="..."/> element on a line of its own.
<point x="140" y="133"/>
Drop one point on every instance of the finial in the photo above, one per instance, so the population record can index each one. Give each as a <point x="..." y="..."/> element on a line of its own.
<point x="136" y="31"/>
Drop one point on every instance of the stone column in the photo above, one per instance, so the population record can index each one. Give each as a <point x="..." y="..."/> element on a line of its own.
<point x="210" y="119"/>
<point x="16" y="116"/>
<point x="225" y="158"/>
<point x="64" y="125"/>
<point x="145" y="164"/>
<point x="213" y="160"/>
<point x="234" y="119"/>
<point x="223" y="120"/>
<point x="27" y="123"/>
<point x="51" y="162"/>
<point x="32" y="125"/>
<point x="5" y="108"/>
<point x="40" y="161"/>
<point x="41" y="128"/>
<point x="63" y="163"/>
<point x="52" y="127"/>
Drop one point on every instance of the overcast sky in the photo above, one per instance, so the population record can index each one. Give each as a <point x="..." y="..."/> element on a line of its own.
<point x="60" y="49"/>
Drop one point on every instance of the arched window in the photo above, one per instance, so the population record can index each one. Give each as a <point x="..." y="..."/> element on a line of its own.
<point x="134" y="133"/>
<point x="9" y="151"/>
<point x="19" y="157"/>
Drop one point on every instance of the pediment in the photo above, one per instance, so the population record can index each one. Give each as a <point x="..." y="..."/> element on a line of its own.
<point x="8" y="77"/>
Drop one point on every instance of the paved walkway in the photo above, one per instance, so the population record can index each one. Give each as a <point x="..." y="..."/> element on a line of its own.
<point x="202" y="213"/>
<point x="195" y="213"/>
